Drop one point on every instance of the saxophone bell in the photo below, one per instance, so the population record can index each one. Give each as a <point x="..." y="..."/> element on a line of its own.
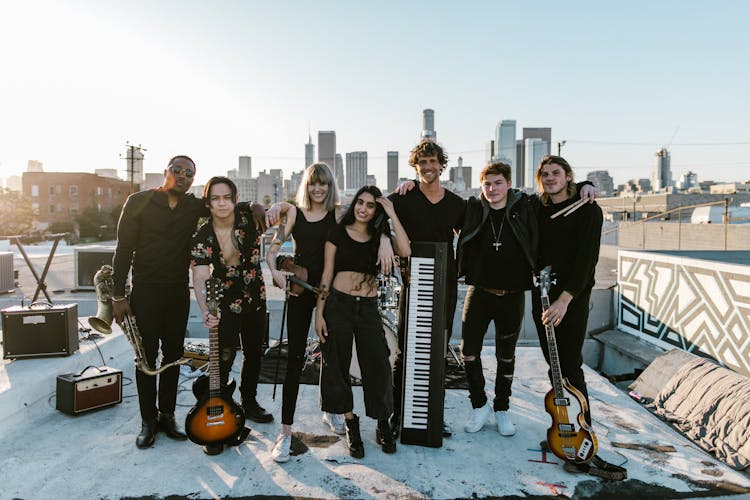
<point x="103" y="282"/>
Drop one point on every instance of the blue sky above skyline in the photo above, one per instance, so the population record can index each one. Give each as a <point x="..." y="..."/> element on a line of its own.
<point x="216" y="80"/>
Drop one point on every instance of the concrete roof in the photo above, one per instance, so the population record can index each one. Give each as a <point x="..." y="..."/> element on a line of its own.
<point x="48" y="454"/>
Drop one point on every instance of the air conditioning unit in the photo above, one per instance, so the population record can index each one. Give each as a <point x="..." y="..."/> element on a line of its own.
<point x="88" y="260"/>
<point x="7" y="280"/>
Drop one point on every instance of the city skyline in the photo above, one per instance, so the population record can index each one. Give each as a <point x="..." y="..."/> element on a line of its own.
<point x="231" y="79"/>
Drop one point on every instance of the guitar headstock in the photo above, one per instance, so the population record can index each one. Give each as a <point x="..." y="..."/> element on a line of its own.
<point x="544" y="280"/>
<point x="213" y="294"/>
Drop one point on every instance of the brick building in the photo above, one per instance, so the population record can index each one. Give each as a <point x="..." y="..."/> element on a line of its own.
<point x="62" y="196"/>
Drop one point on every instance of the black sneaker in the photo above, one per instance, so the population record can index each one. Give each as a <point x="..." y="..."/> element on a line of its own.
<point x="256" y="412"/>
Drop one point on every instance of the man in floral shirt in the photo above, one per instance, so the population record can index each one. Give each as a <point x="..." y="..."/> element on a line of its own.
<point x="227" y="247"/>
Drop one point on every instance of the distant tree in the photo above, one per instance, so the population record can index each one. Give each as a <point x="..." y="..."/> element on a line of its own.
<point x="16" y="214"/>
<point x="93" y="223"/>
<point x="266" y="201"/>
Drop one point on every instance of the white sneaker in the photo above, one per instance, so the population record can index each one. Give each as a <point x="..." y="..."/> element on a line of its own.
<point x="504" y="426"/>
<point x="478" y="417"/>
<point x="282" y="448"/>
<point x="335" y="422"/>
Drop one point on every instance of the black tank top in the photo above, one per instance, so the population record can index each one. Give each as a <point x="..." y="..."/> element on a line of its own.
<point x="309" y="243"/>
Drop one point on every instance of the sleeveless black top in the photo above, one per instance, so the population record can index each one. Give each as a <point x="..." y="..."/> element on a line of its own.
<point x="309" y="243"/>
<point x="352" y="255"/>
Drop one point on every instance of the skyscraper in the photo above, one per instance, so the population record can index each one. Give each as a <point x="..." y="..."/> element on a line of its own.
<point x="392" y="170"/>
<point x="460" y="176"/>
<point x="534" y="151"/>
<point x="338" y="171"/>
<point x="327" y="148"/>
<point x="489" y="151"/>
<point x="602" y="180"/>
<point x="309" y="151"/>
<point x="543" y="133"/>
<point x="428" y="125"/>
<point x="505" y="142"/>
<point x="662" y="176"/>
<point x="356" y="169"/>
<point x="245" y="167"/>
<point x="247" y="187"/>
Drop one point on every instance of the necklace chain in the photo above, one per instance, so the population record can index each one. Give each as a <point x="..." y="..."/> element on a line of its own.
<point x="496" y="235"/>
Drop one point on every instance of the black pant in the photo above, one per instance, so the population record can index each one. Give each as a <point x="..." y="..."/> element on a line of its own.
<point x="247" y="330"/>
<point x="569" y="336"/>
<point x="355" y="318"/>
<point x="161" y="314"/>
<point x="398" y="364"/>
<point x="298" y="316"/>
<point x="481" y="307"/>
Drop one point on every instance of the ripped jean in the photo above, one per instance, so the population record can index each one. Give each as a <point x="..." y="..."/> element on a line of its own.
<point x="481" y="307"/>
<point x="247" y="331"/>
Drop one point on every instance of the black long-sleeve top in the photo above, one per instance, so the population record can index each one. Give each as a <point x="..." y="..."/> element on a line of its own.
<point x="571" y="245"/>
<point x="155" y="239"/>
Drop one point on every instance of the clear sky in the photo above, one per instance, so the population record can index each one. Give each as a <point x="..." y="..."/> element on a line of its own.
<point x="219" y="79"/>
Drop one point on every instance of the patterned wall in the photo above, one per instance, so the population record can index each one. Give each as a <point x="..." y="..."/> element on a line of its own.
<point x="700" y="306"/>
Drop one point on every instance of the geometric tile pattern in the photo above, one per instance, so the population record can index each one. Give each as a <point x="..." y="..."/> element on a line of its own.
<point x="699" y="306"/>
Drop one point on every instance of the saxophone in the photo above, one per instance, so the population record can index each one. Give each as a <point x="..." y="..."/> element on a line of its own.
<point x="102" y="322"/>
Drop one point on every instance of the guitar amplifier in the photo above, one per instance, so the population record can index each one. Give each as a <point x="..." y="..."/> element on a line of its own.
<point x="88" y="389"/>
<point x="39" y="331"/>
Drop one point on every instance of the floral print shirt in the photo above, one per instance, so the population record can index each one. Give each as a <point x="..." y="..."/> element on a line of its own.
<point x="243" y="289"/>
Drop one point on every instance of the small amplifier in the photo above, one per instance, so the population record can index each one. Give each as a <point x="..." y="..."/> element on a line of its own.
<point x="40" y="331"/>
<point x="94" y="387"/>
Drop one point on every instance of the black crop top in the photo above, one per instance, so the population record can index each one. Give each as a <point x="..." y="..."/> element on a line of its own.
<point x="352" y="255"/>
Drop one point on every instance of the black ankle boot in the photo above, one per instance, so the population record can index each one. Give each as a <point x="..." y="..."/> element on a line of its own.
<point x="148" y="433"/>
<point x="384" y="436"/>
<point x="353" y="439"/>
<point x="167" y="424"/>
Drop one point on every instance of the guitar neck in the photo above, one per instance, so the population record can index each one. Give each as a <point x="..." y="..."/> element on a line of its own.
<point x="554" y="359"/>
<point x="214" y="373"/>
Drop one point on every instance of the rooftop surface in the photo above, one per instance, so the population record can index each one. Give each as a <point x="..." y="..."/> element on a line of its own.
<point x="47" y="454"/>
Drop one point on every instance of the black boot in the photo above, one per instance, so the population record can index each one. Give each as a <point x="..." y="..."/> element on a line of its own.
<point x="167" y="424"/>
<point x="256" y="412"/>
<point x="384" y="436"/>
<point x="396" y="425"/>
<point x="353" y="439"/>
<point x="148" y="433"/>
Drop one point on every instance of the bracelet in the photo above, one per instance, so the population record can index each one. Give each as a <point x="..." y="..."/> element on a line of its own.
<point x="118" y="299"/>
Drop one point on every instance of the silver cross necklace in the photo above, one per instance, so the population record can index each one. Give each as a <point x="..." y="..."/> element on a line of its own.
<point x="496" y="235"/>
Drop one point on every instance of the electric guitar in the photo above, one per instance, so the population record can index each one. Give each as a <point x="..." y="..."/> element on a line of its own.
<point x="570" y="437"/>
<point x="216" y="418"/>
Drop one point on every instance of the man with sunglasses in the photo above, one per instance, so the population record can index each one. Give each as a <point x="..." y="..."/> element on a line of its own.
<point x="153" y="237"/>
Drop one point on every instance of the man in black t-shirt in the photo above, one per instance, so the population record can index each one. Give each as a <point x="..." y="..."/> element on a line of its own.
<point x="429" y="213"/>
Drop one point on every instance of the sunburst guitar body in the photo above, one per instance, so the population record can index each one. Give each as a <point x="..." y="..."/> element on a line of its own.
<point x="216" y="417"/>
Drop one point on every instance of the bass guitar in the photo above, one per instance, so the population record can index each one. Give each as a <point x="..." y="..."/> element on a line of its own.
<point x="216" y="418"/>
<point x="570" y="437"/>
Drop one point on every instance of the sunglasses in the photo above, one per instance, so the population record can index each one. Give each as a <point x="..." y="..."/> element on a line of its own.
<point x="177" y="170"/>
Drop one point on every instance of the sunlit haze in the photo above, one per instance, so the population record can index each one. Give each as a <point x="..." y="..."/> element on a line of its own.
<point x="216" y="80"/>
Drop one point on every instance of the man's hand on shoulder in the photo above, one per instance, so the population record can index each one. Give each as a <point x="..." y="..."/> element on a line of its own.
<point x="405" y="187"/>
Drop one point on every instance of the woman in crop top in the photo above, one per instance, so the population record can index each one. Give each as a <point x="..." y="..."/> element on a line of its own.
<point x="309" y="223"/>
<point x="349" y="311"/>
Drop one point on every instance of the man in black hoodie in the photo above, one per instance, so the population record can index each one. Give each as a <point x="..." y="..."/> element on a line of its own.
<point x="496" y="252"/>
